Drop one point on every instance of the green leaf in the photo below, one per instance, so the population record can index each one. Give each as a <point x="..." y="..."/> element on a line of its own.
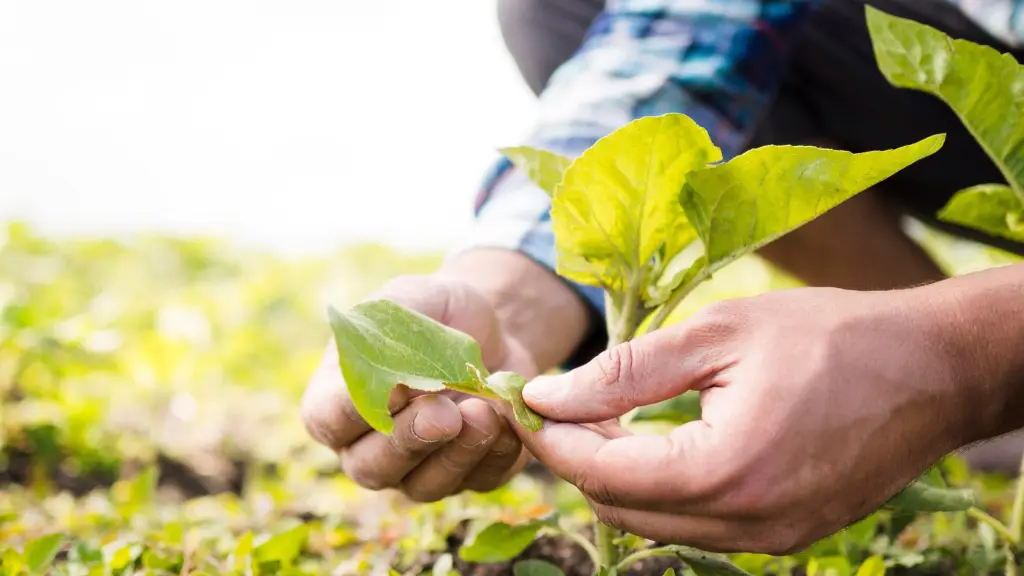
<point x="982" y="86"/>
<point x="241" y="558"/>
<point x="39" y="553"/>
<point x="670" y="572"/>
<point x="678" y="410"/>
<point x="159" y="560"/>
<point x="829" y="566"/>
<point x="536" y="568"/>
<point x="499" y="542"/>
<point x="705" y="563"/>
<point x="120" y="554"/>
<point x="509" y="387"/>
<point x="616" y="212"/>
<point x="382" y="344"/>
<point x="544" y="168"/>
<point x="761" y="195"/>
<point x="13" y="563"/>
<point x="284" y="547"/>
<point x="992" y="208"/>
<point x="921" y="497"/>
<point x="873" y="566"/>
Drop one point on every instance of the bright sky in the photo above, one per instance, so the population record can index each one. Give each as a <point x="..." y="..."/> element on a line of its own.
<point x="298" y="125"/>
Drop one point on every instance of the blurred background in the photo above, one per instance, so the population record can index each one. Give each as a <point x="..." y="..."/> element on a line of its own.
<point x="184" y="186"/>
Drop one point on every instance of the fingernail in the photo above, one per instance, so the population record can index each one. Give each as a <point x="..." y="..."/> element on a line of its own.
<point x="427" y="430"/>
<point x="544" y="388"/>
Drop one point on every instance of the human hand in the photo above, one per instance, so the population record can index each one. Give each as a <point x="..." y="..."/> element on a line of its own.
<point x="443" y="443"/>
<point x="818" y="405"/>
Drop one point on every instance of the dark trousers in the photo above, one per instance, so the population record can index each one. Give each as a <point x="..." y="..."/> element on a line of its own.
<point x="833" y="93"/>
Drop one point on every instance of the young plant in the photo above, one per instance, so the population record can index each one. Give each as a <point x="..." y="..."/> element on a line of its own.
<point x="646" y="214"/>
<point x="986" y="91"/>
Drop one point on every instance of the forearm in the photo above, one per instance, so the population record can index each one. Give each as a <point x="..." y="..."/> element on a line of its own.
<point x="534" y="306"/>
<point x="983" y="325"/>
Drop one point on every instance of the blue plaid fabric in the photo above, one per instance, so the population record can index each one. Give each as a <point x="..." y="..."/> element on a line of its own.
<point x="718" y="61"/>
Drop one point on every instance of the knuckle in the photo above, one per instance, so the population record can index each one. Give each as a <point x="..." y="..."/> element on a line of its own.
<point x="610" y="516"/>
<point x="506" y="445"/>
<point x="617" y="371"/>
<point x="720" y="315"/>
<point x="457" y="461"/>
<point x="364" y="477"/>
<point x="597" y="490"/>
<point x="422" y="495"/>
<point x="408" y="446"/>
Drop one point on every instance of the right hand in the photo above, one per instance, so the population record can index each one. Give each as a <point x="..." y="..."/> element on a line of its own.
<point x="443" y="443"/>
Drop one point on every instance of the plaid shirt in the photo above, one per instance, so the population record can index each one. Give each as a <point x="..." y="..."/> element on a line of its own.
<point x="718" y="61"/>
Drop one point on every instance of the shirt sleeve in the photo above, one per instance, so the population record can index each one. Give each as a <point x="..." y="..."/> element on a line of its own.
<point x="717" y="61"/>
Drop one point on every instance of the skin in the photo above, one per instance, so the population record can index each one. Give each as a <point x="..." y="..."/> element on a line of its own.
<point x="818" y="405"/>
<point x="525" y="319"/>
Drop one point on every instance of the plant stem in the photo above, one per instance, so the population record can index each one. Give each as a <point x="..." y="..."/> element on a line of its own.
<point x="1017" y="515"/>
<point x="589" y="548"/>
<point x="607" y="549"/>
<point x="981" y="516"/>
<point x="642" y="554"/>
<point x="673" y="301"/>
<point x="623" y="318"/>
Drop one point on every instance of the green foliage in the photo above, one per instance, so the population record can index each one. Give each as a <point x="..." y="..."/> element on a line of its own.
<point x="139" y="377"/>
<point x="983" y="87"/>
<point x="545" y="168"/>
<point x="761" y="195"/>
<point x="991" y="208"/>
<point x="500" y="541"/>
<point x="923" y="497"/>
<point x="39" y="553"/>
<point x="986" y="91"/>
<point x="706" y="564"/>
<point x="536" y="568"/>
<point x="615" y="214"/>
<point x="382" y="344"/>
<point x="214" y="347"/>
<point x="873" y="566"/>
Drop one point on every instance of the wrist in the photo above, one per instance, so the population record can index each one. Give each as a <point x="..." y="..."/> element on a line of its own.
<point x="533" y="306"/>
<point x="978" y="324"/>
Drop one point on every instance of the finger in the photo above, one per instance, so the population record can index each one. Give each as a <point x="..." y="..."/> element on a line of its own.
<point x="665" y="528"/>
<point x="646" y="472"/>
<point x="327" y="411"/>
<point x="655" y="367"/>
<point x="443" y="472"/>
<point x="504" y="459"/>
<point x="707" y="534"/>
<point x="377" y="461"/>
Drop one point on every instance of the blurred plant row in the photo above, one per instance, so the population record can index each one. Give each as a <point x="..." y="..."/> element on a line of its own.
<point x="149" y="422"/>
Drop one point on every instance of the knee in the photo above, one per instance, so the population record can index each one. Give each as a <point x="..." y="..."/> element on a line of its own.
<point x="542" y="34"/>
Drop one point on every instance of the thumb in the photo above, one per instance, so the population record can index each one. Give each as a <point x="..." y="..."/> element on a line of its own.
<point x="655" y="367"/>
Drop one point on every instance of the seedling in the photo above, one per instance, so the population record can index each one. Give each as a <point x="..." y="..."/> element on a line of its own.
<point x="986" y="91"/>
<point x="647" y="214"/>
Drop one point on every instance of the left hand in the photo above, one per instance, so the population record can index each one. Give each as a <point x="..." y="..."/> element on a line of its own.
<point x="818" y="405"/>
